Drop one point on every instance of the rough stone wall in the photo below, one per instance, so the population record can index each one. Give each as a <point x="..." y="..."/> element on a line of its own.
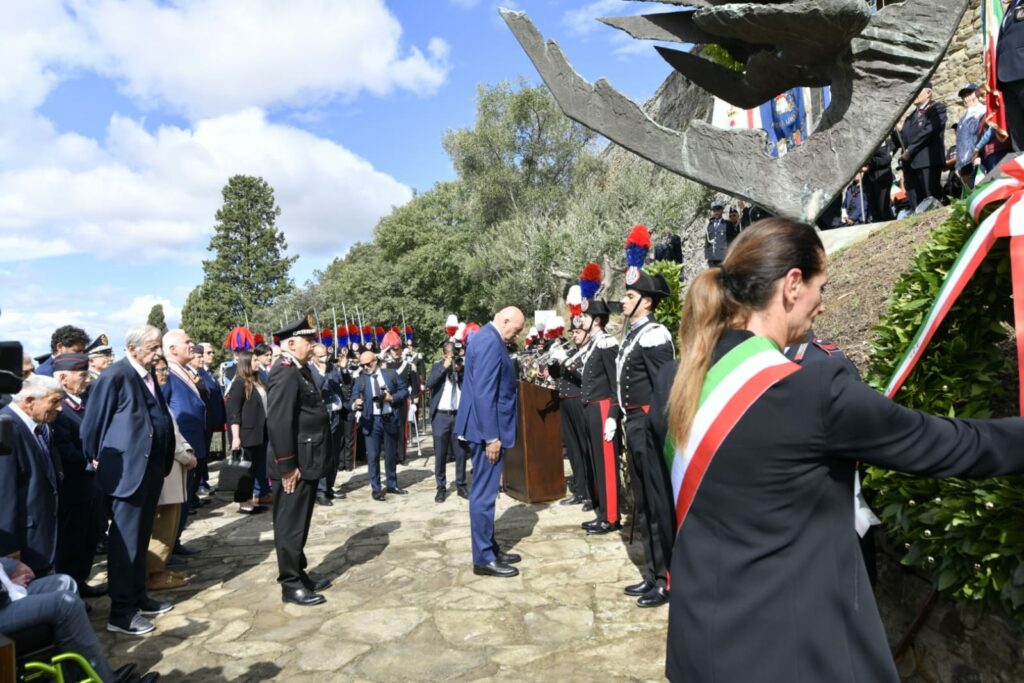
<point x="962" y="64"/>
<point x="959" y="643"/>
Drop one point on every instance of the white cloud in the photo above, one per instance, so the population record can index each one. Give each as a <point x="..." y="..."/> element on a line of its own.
<point x="465" y="4"/>
<point x="583" y="21"/>
<point x="154" y="195"/>
<point x="214" y="56"/>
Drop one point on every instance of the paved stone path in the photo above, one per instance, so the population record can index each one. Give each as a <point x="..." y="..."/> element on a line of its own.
<point x="405" y="605"/>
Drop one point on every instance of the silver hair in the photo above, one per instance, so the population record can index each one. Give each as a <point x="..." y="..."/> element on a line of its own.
<point x="173" y="338"/>
<point x="140" y="333"/>
<point x="37" y="387"/>
<point x="207" y="346"/>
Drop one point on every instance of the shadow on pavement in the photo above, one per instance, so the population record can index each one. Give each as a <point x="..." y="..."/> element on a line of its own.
<point x="360" y="548"/>
<point x="515" y="524"/>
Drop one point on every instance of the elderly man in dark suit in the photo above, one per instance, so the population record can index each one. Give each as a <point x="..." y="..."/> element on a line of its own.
<point x="487" y="420"/>
<point x="82" y="511"/>
<point x="29" y="478"/>
<point x="378" y="394"/>
<point x="129" y="431"/>
<point x="924" y="153"/>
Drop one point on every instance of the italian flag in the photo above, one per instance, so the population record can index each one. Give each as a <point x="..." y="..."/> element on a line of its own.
<point x="730" y="388"/>
<point x="991" y="21"/>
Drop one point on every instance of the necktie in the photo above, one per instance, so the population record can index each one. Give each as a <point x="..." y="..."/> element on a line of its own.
<point x="43" y="437"/>
<point x="376" y="391"/>
<point x="150" y="385"/>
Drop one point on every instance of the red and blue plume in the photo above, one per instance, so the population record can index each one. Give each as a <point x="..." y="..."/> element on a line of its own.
<point x="367" y="336"/>
<point x="379" y="333"/>
<point x="327" y="336"/>
<point x="590" y="280"/>
<point x="637" y="245"/>
<point x="240" y="339"/>
<point x="408" y="333"/>
<point x="341" y="334"/>
<point x="258" y="338"/>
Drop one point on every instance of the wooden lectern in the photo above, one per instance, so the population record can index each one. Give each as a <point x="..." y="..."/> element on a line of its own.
<point x="533" y="468"/>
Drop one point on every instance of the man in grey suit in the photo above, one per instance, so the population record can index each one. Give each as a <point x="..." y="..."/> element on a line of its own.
<point x="26" y="601"/>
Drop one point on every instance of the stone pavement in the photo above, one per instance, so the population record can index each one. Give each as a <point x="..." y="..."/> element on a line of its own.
<point x="405" y="605"/>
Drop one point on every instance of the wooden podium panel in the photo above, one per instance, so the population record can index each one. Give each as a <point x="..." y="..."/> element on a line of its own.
<point x="533" y="469"/>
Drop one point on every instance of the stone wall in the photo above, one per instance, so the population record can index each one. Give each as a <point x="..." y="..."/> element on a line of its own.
<point x="959" y="642"/>
<point x="963" y="64"/>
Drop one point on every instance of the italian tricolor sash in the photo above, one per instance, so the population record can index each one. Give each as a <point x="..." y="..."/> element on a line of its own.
<point x="730" y="388"/>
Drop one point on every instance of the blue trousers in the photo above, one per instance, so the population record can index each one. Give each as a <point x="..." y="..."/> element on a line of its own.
<point x="376" y="432"/>
<point x="54" y="600"/>
<point x="129" y="540"/>
<point x="483" y="494"/>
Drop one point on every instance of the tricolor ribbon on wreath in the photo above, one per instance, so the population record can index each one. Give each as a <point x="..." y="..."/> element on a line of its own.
<point x="1006" y="221"/>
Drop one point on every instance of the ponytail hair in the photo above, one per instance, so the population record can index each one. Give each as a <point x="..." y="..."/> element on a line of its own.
<point x="724" y="297"/>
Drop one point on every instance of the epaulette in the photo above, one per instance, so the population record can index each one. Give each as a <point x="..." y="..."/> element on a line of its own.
<point x="607" y="342"/>
<point x="655" y="334"/>
<point x="827" y="346"/>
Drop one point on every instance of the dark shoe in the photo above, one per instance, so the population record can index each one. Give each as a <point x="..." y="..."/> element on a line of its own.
<point x="302" y="596"/>
<point x="321" y="499"/>
<point x="124" y="673"/>
<point x="87" y="591"/>
<point x="604" y="528"/>
<point x="495" y="568"/>
<point x="248" y="508"/>
<point x="571" y="500"/>
<point x="314" y="584"/>
<point x="151" y="677"/>
<point x="176" y="561"/>
<point x="137" y="625"/>
<point x="397" y="490"/>
<point x="461" y="490"/>
<point x="588" y="505"/>
<point x="509" y="558"/>
<point x="638" y="589"/>
<point x="441" y="496"/>
<point x="378" y="495"/>
<point x="587" y="526"/>
<point x="339" y="494"/>
<point x="154" y="608"/>
<point x="656" y="597"/>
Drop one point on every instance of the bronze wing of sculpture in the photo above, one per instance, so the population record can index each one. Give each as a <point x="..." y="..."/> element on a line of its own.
<point x="875" y="65"/>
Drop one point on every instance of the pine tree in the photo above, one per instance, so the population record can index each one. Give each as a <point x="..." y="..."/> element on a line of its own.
<point x="248" y="269"/>
<point x="156" y="318"/>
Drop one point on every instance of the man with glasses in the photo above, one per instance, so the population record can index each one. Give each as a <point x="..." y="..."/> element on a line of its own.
<point x="129" y="431"/>
<point x="378" y="394"/>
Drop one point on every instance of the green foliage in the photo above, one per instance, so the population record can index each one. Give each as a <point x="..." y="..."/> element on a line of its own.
<point x="156" y="318"/>
<point x="719" y="55"/>
<point x="248" y="270"/>
<point x="522" y="155"/>
<point x="969" y="533"/>
<point x="669" y="309"/>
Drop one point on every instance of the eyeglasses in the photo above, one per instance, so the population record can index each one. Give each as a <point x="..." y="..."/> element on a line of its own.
<point x="162" y="370"/>
<point x="365" y="365"/>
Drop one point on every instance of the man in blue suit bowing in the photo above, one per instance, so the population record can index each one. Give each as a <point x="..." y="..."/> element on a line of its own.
<point x="128" y="430"/>
<point x="487" y="421"/>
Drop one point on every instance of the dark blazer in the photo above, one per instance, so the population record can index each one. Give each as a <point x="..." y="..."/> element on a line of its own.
<point x="248" y="414"/>
<point x="298" y="427"/>
<point x="125" y="427"/>
<point x="490" y="400"/>
<point x="67" y="443"/>
<point x="363" y="389"/>
<point x="28" y="499"/>
<point x="1010" y="48"/>
<point x="768" y="559"/>
<point x="922" y="136"/>
<point x="216" y="415"/>
<point x="189" y="409"/>
<point x="436" y="381"/>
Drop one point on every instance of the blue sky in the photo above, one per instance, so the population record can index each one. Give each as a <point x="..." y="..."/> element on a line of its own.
<point x="120" y="120"/>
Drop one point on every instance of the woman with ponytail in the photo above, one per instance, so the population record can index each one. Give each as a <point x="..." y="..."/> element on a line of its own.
<point x="767" y="579"/>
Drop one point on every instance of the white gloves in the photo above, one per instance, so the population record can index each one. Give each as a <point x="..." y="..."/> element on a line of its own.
<point x="558" y="354"/>
<point x="609" y="429"/>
